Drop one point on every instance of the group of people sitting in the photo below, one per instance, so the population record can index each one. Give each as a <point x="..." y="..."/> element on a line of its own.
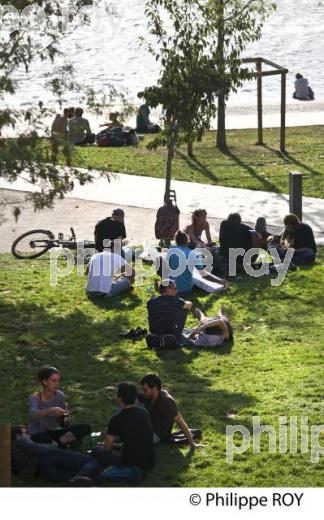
<point x="73" y="127"/>
<point x="110" y="274"/>
<point x="45" y="448"/>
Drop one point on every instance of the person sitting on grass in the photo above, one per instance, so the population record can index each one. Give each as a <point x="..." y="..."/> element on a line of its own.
<point x="110" y="228"/>
<point x="211" y="332"/>
<point x="131" y="426"/>
<point x="198" y="226"/>
<point x="233" y="234"/>
<point x="167" y="313"/>
<point x="108" y="273"/>
<point x="114" y="122"/>
<point x="79" y="129"/>
<point x="49" y="415"/>
<point x="143" y="123"/>
<point x="31" y="459"/>
<point x="164" y="413"/>
<point x="299" y="236"/>
<point x="179" y="254"/>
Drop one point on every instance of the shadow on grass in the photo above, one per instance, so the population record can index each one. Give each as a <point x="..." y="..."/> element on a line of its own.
<point x="196" y="165"/>
<point x="290" y="158"/>
<point x="268" y="185"/>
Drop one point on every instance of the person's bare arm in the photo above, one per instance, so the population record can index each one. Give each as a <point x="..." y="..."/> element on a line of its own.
<point x="108" y="442"/>
<point x="184" y="428"/>
<point x="55" y="410"/>
<point x="213" y="278"/>
<point x="207" y="232"/>
<point x="187" y="306"/>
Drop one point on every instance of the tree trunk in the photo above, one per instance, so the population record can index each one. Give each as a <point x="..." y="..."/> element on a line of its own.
<point x="221" y="126"/>
<point x="190" y="149"/>
<point x="5" y="455"/>
<point x="174" y="131"/>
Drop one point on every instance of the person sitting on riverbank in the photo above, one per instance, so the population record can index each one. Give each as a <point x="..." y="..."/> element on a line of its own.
<point x="211" y="332"/>
<point x="167" y="316"/>
<point x="143" y="123"/>
<point x="132" y="426"/>
<point x="79" y="129"/>
<point x="49" y="415"/>
<point x="114" y="122"/>
<point x="299" y="236"/>
<point x="198" y="226"/>
<point x="110" y="228"/>
<point x="178" y="255"/>
<point x="303" y="91"/>
<point x="31" y="459"/>
<point x="108" y="272"/>
<point x="164" y="413"/>
<point x="261" y="229"/>
<point x="59" y="128"/>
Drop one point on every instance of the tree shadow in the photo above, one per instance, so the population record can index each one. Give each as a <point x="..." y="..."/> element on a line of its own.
<point x="290" y="158"/>
<point x="266" y="183"/>
<point x="198" y="166"/>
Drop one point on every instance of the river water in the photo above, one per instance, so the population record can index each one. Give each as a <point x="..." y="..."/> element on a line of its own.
<point x="109" y="51"/>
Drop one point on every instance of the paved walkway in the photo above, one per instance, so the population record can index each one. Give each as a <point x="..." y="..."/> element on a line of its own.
<point x="147" y="193"/>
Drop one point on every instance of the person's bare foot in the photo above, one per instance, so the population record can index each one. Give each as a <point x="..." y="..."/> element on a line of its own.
<point x="198" y="314"/>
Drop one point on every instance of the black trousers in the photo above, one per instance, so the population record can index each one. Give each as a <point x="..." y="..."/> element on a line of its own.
<point x="78" y="430"/>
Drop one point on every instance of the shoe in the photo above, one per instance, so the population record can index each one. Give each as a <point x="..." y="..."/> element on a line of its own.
<point x="129" y="334"/>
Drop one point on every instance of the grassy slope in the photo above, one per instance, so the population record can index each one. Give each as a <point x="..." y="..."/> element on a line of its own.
<point x="274" y="368"/>
<point x="244" y="166"/>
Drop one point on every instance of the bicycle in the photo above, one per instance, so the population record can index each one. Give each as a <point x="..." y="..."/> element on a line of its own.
<point x="37" y="242"/>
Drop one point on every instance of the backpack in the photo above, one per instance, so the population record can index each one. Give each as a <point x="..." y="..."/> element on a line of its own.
<point x="167" y="222"/>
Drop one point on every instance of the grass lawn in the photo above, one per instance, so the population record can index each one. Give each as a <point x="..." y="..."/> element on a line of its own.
<point x="274" y="368"/>
<point x="245" y="165"/>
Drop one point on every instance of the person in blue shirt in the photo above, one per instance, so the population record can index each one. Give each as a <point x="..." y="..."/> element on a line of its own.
<point x="180" y="253"/>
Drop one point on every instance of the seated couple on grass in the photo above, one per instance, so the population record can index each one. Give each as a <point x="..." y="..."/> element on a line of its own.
<point x="298" y="236"/>
<point x="167" y="316"/>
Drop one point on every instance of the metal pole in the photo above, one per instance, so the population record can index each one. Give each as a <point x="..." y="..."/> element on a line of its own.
<point x="296" y="194"/>
<point x="5" y="455"/>
<point x="283" y="113"/>
<point x="260" y="111"/>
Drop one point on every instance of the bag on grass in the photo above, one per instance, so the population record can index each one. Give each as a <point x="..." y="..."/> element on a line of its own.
<point x="165" y="342"/>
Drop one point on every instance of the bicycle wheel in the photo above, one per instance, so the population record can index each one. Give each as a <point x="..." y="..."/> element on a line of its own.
<point x="32" y="244"/>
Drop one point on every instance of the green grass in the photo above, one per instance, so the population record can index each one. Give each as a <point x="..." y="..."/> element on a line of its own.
<point x="244" y="165"/>
<point x="274" y="368"/>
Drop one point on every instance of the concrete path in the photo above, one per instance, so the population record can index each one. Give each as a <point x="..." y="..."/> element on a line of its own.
<point x="147" y="192"/>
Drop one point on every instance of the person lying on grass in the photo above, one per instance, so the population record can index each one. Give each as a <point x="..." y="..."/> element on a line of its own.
<point x="164" y="413"/>
<point x="49" y="415"/>
<point x="211" y="332"/>
<point x="31" y="459"/>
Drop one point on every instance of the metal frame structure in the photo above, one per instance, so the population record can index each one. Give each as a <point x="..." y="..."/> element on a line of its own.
<point x="259" y="74"/>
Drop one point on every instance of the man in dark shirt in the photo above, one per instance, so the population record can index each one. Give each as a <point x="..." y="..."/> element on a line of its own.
<point x="31" y="459"/>
<point x="167" y="313"/>
<point x="133" y="427"/>
<point x="164" y="413"/>
<point x="111" y="228"/>
<point x="299" y="236"/>
<point x="233" y="235"/>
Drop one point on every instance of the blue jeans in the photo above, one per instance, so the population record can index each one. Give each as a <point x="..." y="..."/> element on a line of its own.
<point x="299" y="257"/>
<point x="61" y="465"/>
